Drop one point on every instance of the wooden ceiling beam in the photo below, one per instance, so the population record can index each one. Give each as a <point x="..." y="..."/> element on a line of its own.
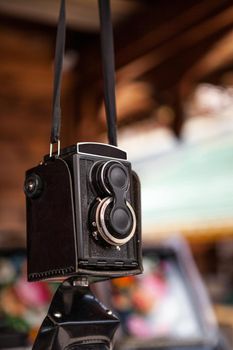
<point x="186" y="41"/>
<point x="82" y="15"/>
<point x="165" y="30"/>
<point x="142" y="52"/>
<point x="214" y="60"/>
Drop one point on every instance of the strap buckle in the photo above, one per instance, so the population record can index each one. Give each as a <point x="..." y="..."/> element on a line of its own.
<point x="58" y="149"/>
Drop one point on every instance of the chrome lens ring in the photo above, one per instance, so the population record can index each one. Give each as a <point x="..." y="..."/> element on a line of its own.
<point x="102" y="173"/>
<point x="102" y="227"/>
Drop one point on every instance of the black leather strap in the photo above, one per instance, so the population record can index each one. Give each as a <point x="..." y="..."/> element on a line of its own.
<point x="108" y="63"/>
<point x="59" y="53"/>
<point x="108" y="71"/>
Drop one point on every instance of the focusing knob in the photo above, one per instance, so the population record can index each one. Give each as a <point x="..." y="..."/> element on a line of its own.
<point x="33" y="186"/>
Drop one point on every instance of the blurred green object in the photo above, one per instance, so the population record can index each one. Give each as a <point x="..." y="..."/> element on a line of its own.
<point x="16" y="323"/>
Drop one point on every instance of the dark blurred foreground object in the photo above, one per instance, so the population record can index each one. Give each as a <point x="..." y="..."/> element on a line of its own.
<point x="76" y="320"/>
<point x="167" y="307"/>
<point x="10" y="339"/>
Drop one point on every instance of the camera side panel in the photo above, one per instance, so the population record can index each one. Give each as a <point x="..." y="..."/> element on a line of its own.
<point x="50" y="222"/>
<point x="136" y="195"/>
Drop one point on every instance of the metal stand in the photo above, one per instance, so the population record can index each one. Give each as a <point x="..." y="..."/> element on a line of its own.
<point x="76" y="320"/>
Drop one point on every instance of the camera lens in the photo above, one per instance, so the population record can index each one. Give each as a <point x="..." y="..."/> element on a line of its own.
<point x="113" y="215"/>
<point x="115" y="225"/>
<point x="114" y="176"/>
<point x="120" y="221"/>
<point x="109" y="175"/>
<point x="117" y="176"/>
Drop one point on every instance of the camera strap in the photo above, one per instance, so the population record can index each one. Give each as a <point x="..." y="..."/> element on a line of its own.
<point x="108" y="66"/>
<point x="59" y="53"/>
<point x="107" y="50"/>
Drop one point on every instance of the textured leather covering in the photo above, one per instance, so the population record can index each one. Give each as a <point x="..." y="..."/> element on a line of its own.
<point x="50" y="224"/>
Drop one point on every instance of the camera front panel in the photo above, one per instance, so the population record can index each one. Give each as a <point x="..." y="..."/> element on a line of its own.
<point x="107" y="214"/>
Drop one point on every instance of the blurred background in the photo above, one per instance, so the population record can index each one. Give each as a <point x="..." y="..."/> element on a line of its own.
<point x="174" y="89"/>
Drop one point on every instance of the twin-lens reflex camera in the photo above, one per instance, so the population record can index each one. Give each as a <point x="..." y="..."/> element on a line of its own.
<point x="83" y="214"/>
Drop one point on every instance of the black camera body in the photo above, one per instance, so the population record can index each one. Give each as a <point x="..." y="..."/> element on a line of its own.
<point x="83" y="214"/>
